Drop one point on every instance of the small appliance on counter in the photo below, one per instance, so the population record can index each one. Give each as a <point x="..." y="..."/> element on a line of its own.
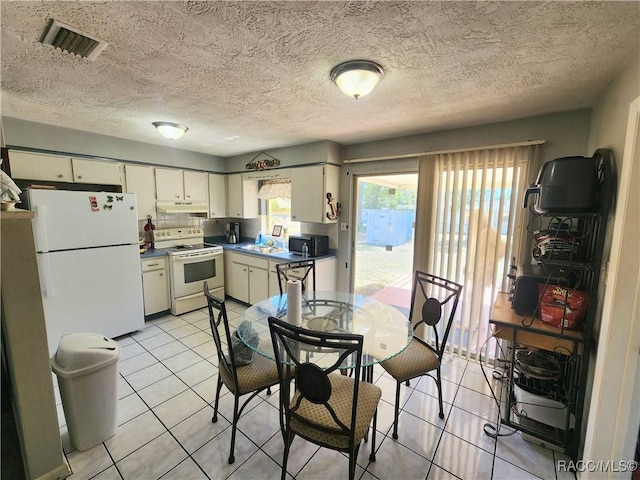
<point x="526" y="280"/>
<point x="317" y="245"/>
<point x="234" y="234"/>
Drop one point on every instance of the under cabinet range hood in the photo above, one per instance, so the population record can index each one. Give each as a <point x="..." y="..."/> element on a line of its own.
<point x="182" y="207"/>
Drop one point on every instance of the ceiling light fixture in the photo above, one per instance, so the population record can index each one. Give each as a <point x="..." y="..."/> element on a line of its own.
<point x="356" y="78"/>
<point x="172" y="131"/>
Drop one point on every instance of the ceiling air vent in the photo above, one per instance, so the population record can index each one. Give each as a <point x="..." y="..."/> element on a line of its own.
<point x="71" y="40"/>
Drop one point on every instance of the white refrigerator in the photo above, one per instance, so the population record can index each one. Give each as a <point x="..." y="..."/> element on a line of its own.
<point x="88" y="261"/>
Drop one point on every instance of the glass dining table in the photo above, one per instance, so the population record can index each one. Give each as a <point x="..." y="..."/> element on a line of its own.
<point x="386" y="330"/>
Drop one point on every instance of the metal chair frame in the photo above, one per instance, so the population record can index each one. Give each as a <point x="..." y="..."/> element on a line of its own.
<point x="215" y="321"/>
<point x="311" y="383"/>
<point x="431" y="314"/>
<point x="283" y="273"/>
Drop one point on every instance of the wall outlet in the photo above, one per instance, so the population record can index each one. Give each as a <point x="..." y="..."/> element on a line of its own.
<point x="343" y="226"/>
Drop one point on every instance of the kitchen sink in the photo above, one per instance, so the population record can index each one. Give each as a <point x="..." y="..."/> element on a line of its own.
<point x="262" y="248"/>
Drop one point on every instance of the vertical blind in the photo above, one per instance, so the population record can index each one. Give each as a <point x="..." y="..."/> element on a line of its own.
<point x="467" y="230"/>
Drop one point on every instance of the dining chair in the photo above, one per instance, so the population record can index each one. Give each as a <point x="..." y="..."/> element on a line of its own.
<point x="316" y="402"/>
<point x="433" y="296"/>
<point x="250" y="378"/>
<point x="301" y="270"/>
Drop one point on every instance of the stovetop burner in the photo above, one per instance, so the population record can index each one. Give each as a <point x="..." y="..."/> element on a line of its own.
<point x="190" y="247"/>
<point x="198" y="247"/>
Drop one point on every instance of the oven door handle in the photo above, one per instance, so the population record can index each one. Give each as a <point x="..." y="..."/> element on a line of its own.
<point x="197" y="257"/>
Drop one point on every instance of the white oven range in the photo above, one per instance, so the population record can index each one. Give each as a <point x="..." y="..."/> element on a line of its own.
<point x="191" y="262"/>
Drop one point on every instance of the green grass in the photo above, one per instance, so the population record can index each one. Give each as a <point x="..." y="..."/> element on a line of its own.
<point x="376" y="267"/>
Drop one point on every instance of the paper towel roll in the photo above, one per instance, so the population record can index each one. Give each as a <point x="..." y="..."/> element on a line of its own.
<point x="294" y="301"/>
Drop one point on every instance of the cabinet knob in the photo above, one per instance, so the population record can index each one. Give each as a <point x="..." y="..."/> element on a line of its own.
<point x="79" y="176"/>
<point x="59" y="176"/>
<point x="177" y="196"/>
<point x="162" y="274"/>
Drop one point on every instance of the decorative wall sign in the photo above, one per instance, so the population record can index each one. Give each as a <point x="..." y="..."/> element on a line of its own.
<point x="262" y="163"/>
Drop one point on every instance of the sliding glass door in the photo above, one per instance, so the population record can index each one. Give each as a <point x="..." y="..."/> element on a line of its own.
<point x="385" y="207"/>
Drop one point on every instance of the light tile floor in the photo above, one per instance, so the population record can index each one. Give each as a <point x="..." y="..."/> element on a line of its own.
<point x="166" y="391"/>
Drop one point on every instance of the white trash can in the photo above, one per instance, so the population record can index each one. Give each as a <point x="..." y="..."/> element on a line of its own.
<point x="87" y="368"/>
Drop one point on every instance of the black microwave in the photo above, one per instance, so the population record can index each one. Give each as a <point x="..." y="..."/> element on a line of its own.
<point x="318" y="245"/>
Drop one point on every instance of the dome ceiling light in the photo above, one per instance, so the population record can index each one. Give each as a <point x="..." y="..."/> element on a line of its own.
<point x="172" y="131"/>
<point x="356" y="78"/>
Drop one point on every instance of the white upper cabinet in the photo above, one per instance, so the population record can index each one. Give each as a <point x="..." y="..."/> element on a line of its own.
<point x="217" y="196"/>
<point x="32" y="166"/>
<point x="196" y="186"/>
<point x="95" y="171"/>
<point x="58" y="168"/>
<point x="242" y="197"/>
<point x="174" y="185"/>
<point x="141" y="181"/>
<point x="169" y="184"/>
<point x="309" y="189"/>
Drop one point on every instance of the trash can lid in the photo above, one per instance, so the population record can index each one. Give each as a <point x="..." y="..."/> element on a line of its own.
<point x="80" y="353"/>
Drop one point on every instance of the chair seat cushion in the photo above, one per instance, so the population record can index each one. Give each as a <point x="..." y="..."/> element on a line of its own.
<point x="260" y="373"/>
<point x="415" y="360"/>
<point x="341" y="401"/>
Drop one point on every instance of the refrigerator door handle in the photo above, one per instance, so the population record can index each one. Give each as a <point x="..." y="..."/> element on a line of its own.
<point x="40" y="229"/>
<point x="45" y="276"/>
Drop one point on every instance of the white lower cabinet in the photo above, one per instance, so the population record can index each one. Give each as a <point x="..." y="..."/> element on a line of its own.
<point x="274" y="286"/>
<point x="155" y="285"/>
<point x="250" y="278"/>
<point x="247" y="277"/>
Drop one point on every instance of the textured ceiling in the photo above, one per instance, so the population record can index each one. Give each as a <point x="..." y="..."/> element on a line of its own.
<point x="248" y="76"/>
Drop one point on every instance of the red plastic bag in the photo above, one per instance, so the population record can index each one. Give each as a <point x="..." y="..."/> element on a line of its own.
<point x="562" y="307"/>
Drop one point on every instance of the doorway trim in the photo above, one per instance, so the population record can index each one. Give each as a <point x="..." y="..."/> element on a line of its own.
<point x="612" y="428"/>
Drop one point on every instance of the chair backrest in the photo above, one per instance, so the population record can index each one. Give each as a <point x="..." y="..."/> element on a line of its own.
<point x="437" y="298"/>
<point x="303" y="270"/>
<point x="313" y="380"/>
<point x="219" y="323"/>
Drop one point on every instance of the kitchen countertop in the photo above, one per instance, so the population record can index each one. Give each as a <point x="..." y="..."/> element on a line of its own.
<point x="285" y="255"/>
<point x="152" y="253"/>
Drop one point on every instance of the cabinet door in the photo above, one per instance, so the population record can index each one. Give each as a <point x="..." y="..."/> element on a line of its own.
<point x="258" y="284"/>
<point x="249" y="198"/>
<point x="242" y="197"/>
<point x="307" y="199"/>
<point x="274" y="287"/>
<point x="228" y="273"/>
<point x="196" y="186"/>
<point x="155" y="291"/>
<point x="141" y="181"/>
<point x="234" y="195"/>
<point x="326" y="275"/>
<point x="309" y="188"/>
<point x="169" y="184"/>
<point x="31" y="166"/>
<point x="217" y="196"/>
<point x="240" y="281"/>
<point x="94" y="171"/>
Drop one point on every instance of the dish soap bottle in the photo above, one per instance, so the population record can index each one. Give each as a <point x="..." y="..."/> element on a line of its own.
<point x="259" y="238"/>
<point x="305" y="250"/>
